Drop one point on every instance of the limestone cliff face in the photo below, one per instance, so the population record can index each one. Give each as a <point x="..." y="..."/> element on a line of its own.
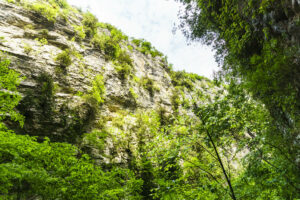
<point x="54" y="101"/>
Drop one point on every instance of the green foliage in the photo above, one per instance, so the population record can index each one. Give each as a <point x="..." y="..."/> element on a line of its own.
<point x="90" y="23"/>
<point x="95" y="139"/>
<point x="265" y="56"/>
<point x="168" y="155"/>
<point x="130" y="48"/>
<point x="146" y="48"/>
<point x="111" y="50"/>
<point x="177" y="172"/>
<point x="80" y="32"/>
<point x="98" y="89"/>
<point x="124" y="70"/>
<point x="282" y="95"/>
<point x="124" y="58"/>
<point x="50" y="9"/>
<point x="61" y="3"/>
<point x="179" y="98"/>
<point x="147" y="175"/>
<point x="45" y="10"/>
<point x="9" y="97"/>
<point x="42" y="41"/>
<point x="110" y="46"/>
<point x="44" y="33"/>
<point x="149" y="84"/>
<point x="123" y="65"/>
<point x="258" y="54"/>
<point x="133" y="94"/>
<point x="64" y="58"/>
<point x="265" y="166"/>
<point x="137" y="42"/>
<point x="25" y="164"/>
<point x="176" y="98"/>
<point x="116" y="34"/>
<point x="51" y="170"/>
<point x="104" y="43"/>
<point x="187" y="80"/>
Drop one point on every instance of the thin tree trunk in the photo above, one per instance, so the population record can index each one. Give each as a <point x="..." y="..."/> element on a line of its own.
<point x="219" y="159"/>
<point x="222" y="166"/>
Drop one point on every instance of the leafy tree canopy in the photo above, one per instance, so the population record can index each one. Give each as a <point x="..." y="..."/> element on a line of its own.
<point x="9" y="97"/>
<point x="257" y="42"/>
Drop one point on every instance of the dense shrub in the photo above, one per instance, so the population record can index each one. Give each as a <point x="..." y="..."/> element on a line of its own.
<point x="111" y="50"/>
<point x="90" y="23"/>
<point x="61" y="3"/>
<point x="45" y="10"/>
<point x="98" y="89"/>
<point x="99" y="41"/>
<point x="146" y="48"/>
<point x="9" y="97"/>
<point x="124" y="65"/>
<point x="109" y="47"/>
<point x="53" y="171"/>
<point x="182" y="78"/>
<point x="149" y="84"/>
<point x="176" y="99"/>
<point x="64" y="58"/>
<point x="79" y="32"/>
<point x="124" y="70"/>
<point x="108" y="44"/>
<point x="116" y="34"/>
<point x="125" y="58"/>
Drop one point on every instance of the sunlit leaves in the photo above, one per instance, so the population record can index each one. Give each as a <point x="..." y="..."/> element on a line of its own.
<point x="9" y="97"/>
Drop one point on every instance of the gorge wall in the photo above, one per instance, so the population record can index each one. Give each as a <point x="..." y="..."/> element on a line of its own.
<point x="85" y="81"/>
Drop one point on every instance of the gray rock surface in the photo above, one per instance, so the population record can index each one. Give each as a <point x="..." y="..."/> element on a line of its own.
<point x="51" y="95"/>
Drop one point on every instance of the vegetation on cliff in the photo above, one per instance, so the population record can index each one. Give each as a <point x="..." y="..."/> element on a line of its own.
<point x="257" y="45"/>
<point x="234" y="138"/>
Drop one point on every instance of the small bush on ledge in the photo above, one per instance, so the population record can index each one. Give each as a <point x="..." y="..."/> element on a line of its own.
<point x="107" y="46"/>
<point x="45" y="10"/>
<point x="64" y="58"/>
<point x="149" y="85"/>
<point x="123" y="69"/>
<point x="146" y="47"/>
<point x="98" y="89"/>
<point x="90" y="24"/>
<point x="80" y="33"/>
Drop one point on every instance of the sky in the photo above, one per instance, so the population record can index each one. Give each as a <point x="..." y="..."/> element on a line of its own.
<point x="154" y="21"/>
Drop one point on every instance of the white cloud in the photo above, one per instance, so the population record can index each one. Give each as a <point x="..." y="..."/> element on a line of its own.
<point x="153" y="20"/>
